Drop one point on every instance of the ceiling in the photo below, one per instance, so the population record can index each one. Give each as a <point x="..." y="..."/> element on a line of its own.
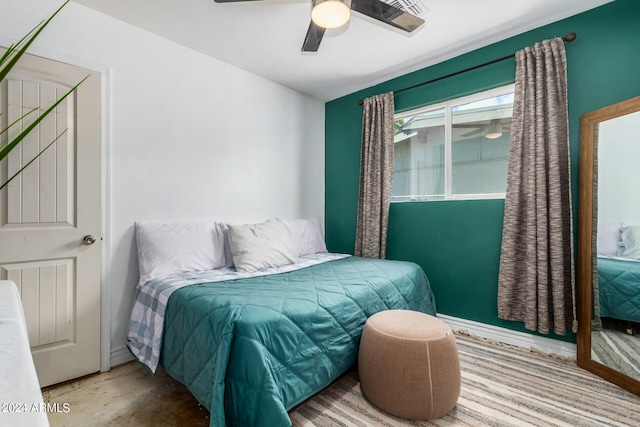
<point x="265" y="37"/>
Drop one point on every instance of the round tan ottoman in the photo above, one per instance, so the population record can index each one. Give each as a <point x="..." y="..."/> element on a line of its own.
<point x="408" y="364"/>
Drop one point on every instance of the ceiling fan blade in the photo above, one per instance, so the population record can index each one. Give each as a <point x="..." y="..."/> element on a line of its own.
<point x="388" y="14"/>
<point x="467" y="125"/>
<point x="472" y="133"/>
<point x="313" y="38"/>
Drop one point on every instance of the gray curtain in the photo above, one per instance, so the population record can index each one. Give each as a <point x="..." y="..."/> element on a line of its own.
<point x="376" y="176"/>
<point x="536" y="280"/>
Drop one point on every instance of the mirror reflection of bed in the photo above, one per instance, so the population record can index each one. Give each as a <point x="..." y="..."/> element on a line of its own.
<point x="615" y="326"/>
<point x="614" y="334"/>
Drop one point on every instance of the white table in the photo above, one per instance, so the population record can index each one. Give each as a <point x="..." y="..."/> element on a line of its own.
<point x="21" y="401"/>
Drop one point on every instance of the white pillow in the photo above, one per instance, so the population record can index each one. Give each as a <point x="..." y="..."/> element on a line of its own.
<point x="167" y="248"/>
<point x="259" y="246"/>
<point x="609" y="238"/>
<point x="631" y="240"/>
<point x="306" y="236"/>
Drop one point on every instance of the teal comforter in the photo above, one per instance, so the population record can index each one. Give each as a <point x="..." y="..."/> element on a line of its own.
<point x="619" y="288"/>
<point x="251" y="349"/>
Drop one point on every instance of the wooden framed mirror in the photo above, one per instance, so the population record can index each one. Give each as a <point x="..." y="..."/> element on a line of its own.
<point x="608" y="254"/>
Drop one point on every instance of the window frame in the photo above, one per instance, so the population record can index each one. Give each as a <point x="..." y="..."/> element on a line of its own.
<point x="448" y="143"/>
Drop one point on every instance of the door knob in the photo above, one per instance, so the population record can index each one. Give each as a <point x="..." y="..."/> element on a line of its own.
<point x="89" y="239"/>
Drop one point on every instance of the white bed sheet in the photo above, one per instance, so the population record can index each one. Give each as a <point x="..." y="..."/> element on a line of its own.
<point x="21" y="402"/>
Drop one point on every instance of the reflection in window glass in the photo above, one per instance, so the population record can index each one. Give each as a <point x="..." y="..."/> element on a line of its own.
<point x="419" y="156"/>
<point x="458" y="149"/>
<point x="480" y="145"/>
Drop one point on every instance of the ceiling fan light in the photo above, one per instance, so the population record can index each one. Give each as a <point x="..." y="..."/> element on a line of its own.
<point x="330" y="13"/>
<point x="494" y="131"/>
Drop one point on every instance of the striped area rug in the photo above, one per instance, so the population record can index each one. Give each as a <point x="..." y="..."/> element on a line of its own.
<point x="617" y="350"/>
<point x="501" y="386"/>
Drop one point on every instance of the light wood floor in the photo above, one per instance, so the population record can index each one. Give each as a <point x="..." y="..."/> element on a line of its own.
<point x="128" y="395"/>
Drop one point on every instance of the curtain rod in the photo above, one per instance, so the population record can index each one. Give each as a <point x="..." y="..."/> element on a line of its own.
<point x="568" y="38"/>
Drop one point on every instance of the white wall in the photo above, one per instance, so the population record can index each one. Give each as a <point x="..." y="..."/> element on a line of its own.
<point x="618" y="171"/>
<point x="187" y="137"/>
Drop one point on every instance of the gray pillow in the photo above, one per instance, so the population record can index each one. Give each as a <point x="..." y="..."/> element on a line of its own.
<point x="258" y="246"/>
<point x="631" y="241"/>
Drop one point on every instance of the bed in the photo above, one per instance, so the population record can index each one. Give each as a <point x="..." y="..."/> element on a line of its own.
<point x="618" y="265"/>
<point x="251" y="345"/>
<point x="619" y="288"/>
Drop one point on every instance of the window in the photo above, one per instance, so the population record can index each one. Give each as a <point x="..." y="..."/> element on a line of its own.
<point x="454" y="150"/>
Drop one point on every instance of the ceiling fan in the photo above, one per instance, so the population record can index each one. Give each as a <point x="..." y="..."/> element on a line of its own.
<point x="491" y="130"/>
<point x="335" y="13"/>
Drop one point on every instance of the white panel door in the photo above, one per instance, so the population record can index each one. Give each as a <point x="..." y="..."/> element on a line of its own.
<point x="46" y="212"/>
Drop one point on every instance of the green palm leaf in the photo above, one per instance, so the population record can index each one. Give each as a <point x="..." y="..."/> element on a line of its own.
<point x="11" y="145"/>
<point x="4" y="142"/>
<point x="8" y="140"/>
<point x="15" y="51"/>
<point x="32" y="160"/>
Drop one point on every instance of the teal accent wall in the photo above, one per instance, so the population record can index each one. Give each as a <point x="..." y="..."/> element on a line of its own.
<point x="457" y="243"/>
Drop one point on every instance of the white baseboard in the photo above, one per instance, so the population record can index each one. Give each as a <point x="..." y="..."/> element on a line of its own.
<point x="507" y="336"/>
<point x="121" y="355"/>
